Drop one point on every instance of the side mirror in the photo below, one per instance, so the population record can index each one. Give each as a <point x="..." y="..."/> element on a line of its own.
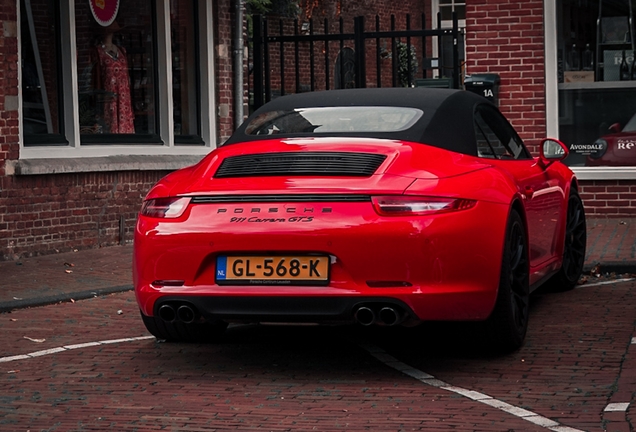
<point x="616" y="127"/>
<point x="553" y="150"/>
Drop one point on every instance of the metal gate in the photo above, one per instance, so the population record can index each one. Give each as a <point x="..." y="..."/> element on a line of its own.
<point x="299" y="58"/>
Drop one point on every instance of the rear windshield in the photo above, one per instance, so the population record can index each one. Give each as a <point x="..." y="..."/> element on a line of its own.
<point x="334" y="120"/>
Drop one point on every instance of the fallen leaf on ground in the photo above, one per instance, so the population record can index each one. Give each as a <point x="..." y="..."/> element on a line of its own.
<point x="17" y="298"/>
<point x="68" y="271"/>
<point x="119" y="312"/>
<point x="12" y="319"/>
<point x="34" y="340"/>
<point x="72" y="301"/>
<point x="69" y="264"/>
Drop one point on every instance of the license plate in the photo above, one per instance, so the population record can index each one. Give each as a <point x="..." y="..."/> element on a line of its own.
<point x="272" y="270"/>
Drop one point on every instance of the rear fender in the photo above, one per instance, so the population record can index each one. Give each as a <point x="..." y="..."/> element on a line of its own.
<point x="488" y="184"/>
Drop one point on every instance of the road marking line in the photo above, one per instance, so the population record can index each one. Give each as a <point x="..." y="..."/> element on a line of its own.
<point x="622" y="406"/>
<point x="428" y="379"/>
<point x="585" y="285"/>
<point x="70" y="347"/>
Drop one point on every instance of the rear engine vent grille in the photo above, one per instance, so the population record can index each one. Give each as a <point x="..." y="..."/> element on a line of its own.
<point x="301" y="164"/>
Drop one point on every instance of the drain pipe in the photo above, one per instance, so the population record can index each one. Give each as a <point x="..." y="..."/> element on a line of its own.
<point x="238" y="63"/>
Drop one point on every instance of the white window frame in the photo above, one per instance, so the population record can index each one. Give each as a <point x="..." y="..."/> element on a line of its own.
<point x="165" y="102"/>
<point x="552" y="101"/>
<point x="435" y="8"/>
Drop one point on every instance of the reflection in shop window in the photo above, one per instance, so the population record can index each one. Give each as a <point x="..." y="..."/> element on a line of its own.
<point x="39" y="58"/>
<point x="116" y="73"/>
<point x="597" y="81"/>
<point x="185" y="66"/>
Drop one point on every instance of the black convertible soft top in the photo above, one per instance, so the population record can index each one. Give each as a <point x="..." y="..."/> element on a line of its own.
<point x="447" y="120"/>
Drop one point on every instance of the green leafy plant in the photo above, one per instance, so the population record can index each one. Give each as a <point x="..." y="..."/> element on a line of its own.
<point x="405" y="51"/>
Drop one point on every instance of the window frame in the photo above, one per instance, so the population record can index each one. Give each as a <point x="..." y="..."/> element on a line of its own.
<point x="552" y="100"/>
<point x="461" y="23"/>
<point x="165" y="144"/>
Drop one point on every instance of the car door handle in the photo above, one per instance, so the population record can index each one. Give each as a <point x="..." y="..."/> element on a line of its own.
<point x="528" y="192"/>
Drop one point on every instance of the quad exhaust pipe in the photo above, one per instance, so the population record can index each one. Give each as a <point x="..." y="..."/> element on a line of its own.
<point x="167" y="313"/>
<point x="387" y="316"/>
<point x="365" y="316"/>
<point x="184" y="313"/>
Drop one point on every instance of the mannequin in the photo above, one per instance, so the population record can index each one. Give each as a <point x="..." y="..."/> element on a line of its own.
<point x="112" y="76"/>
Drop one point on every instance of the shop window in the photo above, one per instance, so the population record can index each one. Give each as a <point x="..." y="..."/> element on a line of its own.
<point x="42" y="113"/>
<point x="185" y="71"/>
<point x="100" y="80"/>
<point x="117" y="73"/>
<point x="447" y="7"/>
<point x="596" y="76"/>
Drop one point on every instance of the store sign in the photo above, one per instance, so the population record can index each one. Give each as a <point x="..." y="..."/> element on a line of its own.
<point x="104" y="11"/>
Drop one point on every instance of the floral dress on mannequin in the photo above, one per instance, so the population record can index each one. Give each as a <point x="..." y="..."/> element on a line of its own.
<point x="113" y="72"/>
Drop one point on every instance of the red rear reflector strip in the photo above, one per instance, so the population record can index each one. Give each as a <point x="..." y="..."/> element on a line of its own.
<point x="173" y="283"/>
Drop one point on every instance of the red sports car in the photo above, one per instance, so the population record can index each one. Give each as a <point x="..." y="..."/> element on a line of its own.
<point x="372" y="206"/>
<point x="617" y="148"/>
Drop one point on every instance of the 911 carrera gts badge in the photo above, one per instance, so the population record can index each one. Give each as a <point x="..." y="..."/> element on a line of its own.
<point x="272" y="220"/>
<point x="273" y="213"/>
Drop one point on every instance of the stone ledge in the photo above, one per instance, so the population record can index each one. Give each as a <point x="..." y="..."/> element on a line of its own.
<point x="101" y="164"/>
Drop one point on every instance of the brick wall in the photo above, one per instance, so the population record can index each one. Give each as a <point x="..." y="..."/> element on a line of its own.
<point x="223" y="24"/>
<point x="60" y="212"/>
<point x="609" y="198"/>
<point x="506" y="37"/>
<point x="8" y="85"/>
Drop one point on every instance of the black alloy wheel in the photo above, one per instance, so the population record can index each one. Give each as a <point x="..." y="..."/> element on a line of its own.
<point x="574" y="247"/>
<point x="508" y="323"/>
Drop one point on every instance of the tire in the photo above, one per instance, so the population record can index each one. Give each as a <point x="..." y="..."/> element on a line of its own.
<point x="508" y="323"/>
<point x="181" y="332"/>
<point x="574" y="246"/>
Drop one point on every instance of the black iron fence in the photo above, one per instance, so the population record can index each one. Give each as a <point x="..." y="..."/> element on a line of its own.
<point x="289" y="57"/>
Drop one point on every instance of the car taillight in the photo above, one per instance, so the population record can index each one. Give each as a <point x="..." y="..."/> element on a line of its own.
<point x="169" y="208"/>
<point x="418" y="205"/>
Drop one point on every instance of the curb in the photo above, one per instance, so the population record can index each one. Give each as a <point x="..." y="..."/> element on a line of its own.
<point x="47" y="300"/>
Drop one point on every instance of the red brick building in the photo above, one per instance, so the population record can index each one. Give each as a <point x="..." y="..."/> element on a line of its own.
<point x="69" y="179"/>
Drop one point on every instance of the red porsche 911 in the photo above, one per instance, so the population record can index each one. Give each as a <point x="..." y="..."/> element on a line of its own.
<point x="371" y="206"/>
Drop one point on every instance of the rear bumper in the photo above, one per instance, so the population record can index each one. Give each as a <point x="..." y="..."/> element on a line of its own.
<point x="445" y="267"/>
<point x="322" y="304"/>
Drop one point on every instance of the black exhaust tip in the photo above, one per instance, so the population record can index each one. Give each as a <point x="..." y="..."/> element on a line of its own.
<point x="389" y="316"/>
<point x="167" y="313"/>
<point x="364" y="316"/>
<point x="186" y="314"/>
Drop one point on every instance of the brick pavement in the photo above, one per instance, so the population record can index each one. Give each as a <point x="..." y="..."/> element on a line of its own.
<point x="86" y="273"/>
<point x="308" y="378"/>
